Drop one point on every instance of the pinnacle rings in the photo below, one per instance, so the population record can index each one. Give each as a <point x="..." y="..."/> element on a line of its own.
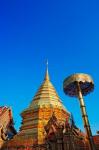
<point x="70" y="84"/>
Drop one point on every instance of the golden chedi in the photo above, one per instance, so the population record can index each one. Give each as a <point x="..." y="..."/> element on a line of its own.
<point x="36" y="116"/>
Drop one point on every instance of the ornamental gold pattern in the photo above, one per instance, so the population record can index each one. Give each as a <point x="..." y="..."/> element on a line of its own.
<point x="36" y="116"/>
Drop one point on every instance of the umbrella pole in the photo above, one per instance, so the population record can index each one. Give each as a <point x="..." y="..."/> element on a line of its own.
<point x="85" y="118"/>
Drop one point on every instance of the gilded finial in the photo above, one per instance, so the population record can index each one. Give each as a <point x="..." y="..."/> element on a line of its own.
<point x="47" y="65"/>
<point x="47" y="74"/>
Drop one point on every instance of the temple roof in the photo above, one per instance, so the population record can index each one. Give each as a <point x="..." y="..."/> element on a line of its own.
<point x="3" y="109"/>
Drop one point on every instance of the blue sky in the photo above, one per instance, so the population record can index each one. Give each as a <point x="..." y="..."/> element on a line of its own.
<point x="64" y="32"/>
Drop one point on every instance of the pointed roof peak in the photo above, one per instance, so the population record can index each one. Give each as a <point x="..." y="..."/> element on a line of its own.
<point x="47" y="74"/>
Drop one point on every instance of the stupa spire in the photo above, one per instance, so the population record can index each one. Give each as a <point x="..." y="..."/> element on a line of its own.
<point x="47" y="74"/>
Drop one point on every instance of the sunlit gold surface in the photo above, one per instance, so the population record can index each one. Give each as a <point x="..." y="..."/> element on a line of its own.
<point x="36" y="116"/>
<point x="85" y="82"/>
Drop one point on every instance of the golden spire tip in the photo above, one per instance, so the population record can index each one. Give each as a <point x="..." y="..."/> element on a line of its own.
<point x="47" y="65"/>
<point x="47" y="74"/>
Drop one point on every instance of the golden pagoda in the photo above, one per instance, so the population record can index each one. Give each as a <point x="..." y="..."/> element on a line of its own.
<point x="45" y="125"/>
<point x="36" y="116"/>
